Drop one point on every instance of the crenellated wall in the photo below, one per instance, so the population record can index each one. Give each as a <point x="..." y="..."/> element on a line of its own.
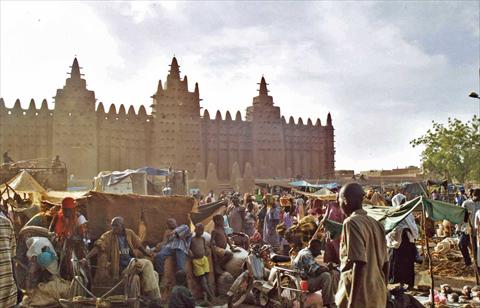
<point x="123" y="138"/>
<point x="226" y="141"/>
<point x="215" y="148"/>
<point x="26" y="133"/>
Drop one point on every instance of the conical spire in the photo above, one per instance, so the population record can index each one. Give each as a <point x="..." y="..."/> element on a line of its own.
<point x="75" y="72"/>
<point x="329" y="119"/>
<point x="174" y="69"/>
<point x="263" y="91"/>
<point x="185" y="82"/>
<point x="159" y="87"/>
<point x="196" y="91"/>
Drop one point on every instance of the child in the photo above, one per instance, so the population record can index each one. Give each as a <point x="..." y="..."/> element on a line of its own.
<point x="181" y="297"/>
<point x="200" y="264"/>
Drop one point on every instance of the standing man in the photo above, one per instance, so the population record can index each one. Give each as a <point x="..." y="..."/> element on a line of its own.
<point x="8" y="288"/>
<point x="469" y="229"/>
<point x="236" y="215"/>
<point x="363" y="255"/>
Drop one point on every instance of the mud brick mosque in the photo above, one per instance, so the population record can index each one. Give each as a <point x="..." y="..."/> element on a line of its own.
<point x="90" y="138"/>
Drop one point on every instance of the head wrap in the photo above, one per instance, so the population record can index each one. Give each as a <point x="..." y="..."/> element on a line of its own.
<point x="46" y="258"/>
<point x="68" y="203"/>
<point x="118" y="220"/>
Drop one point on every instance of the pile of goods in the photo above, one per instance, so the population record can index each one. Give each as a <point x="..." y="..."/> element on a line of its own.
<point x="448" y="261"/>
<point x="468" y="296"/>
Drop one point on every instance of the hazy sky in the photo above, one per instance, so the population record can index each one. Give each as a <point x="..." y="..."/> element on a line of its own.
<point x="384" y="70"/>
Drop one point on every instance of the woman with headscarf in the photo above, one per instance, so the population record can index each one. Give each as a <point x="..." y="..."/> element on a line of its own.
<point x="402" y="250"/>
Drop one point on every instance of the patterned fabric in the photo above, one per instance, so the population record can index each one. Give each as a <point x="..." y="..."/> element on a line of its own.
<point x="180" y="239"/>
<point x="305" y="263"/>
<point x="8" y="288"/>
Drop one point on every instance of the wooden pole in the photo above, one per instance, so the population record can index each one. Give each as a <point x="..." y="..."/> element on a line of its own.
<point x="472" y="247"/>
<point x="430" y="268"/>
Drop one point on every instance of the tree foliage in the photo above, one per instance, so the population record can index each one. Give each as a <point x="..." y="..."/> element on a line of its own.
<point x="452" y="151"/>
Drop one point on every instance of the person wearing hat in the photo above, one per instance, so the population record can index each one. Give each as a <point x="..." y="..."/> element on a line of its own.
<point x="43" y="261"/>
<point x="70" y="228"/>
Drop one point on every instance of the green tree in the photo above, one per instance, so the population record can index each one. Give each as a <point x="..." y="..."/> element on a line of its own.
<point x="452" y="151"/>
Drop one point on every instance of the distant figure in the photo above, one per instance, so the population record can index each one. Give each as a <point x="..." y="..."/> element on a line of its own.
<point x="7" y="159"/>
<point x="56" y="163"/>
<point x="236" y="215"/>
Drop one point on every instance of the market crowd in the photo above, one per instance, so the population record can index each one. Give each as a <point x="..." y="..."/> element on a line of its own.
<point x="352" y="264"/>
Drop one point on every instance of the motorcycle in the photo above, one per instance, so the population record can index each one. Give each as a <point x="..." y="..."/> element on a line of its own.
<point x="272" y="287"/>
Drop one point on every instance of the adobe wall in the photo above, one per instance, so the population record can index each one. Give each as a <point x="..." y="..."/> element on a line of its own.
<point x="123" y="138"/>
<point x="225" y="142"/>
<point x="26" y="133"/>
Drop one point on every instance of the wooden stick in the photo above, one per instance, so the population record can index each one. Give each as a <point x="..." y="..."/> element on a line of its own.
<point x="432" y="287"/>
<point x="83" y="287"/>
<point x="472" y="247"/>
<point x="113" y="288"/>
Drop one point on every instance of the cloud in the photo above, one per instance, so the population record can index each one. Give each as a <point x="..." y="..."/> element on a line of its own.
<point x="384" y="70"/>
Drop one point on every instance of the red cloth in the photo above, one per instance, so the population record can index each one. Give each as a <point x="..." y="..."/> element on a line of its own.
<point x="68" y="203"/>
<point x="64" y="227"/>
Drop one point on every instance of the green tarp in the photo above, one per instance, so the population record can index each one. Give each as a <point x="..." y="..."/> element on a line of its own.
<point x="391" y="217"/>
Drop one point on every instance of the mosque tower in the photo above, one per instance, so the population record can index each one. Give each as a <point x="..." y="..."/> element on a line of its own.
<point x="176" y="131"/>
<point x="268" y="138"/>
<point x="74" y="128"/>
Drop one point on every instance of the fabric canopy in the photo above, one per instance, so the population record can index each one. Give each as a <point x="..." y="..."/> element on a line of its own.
<point x="206" y="212"/>
<point x="117" y="176"/>
<point x="24" y="182"/>
<point x="306" y="184"/>
<point x="322" y="194"/>
<point x="391" y="217"/>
